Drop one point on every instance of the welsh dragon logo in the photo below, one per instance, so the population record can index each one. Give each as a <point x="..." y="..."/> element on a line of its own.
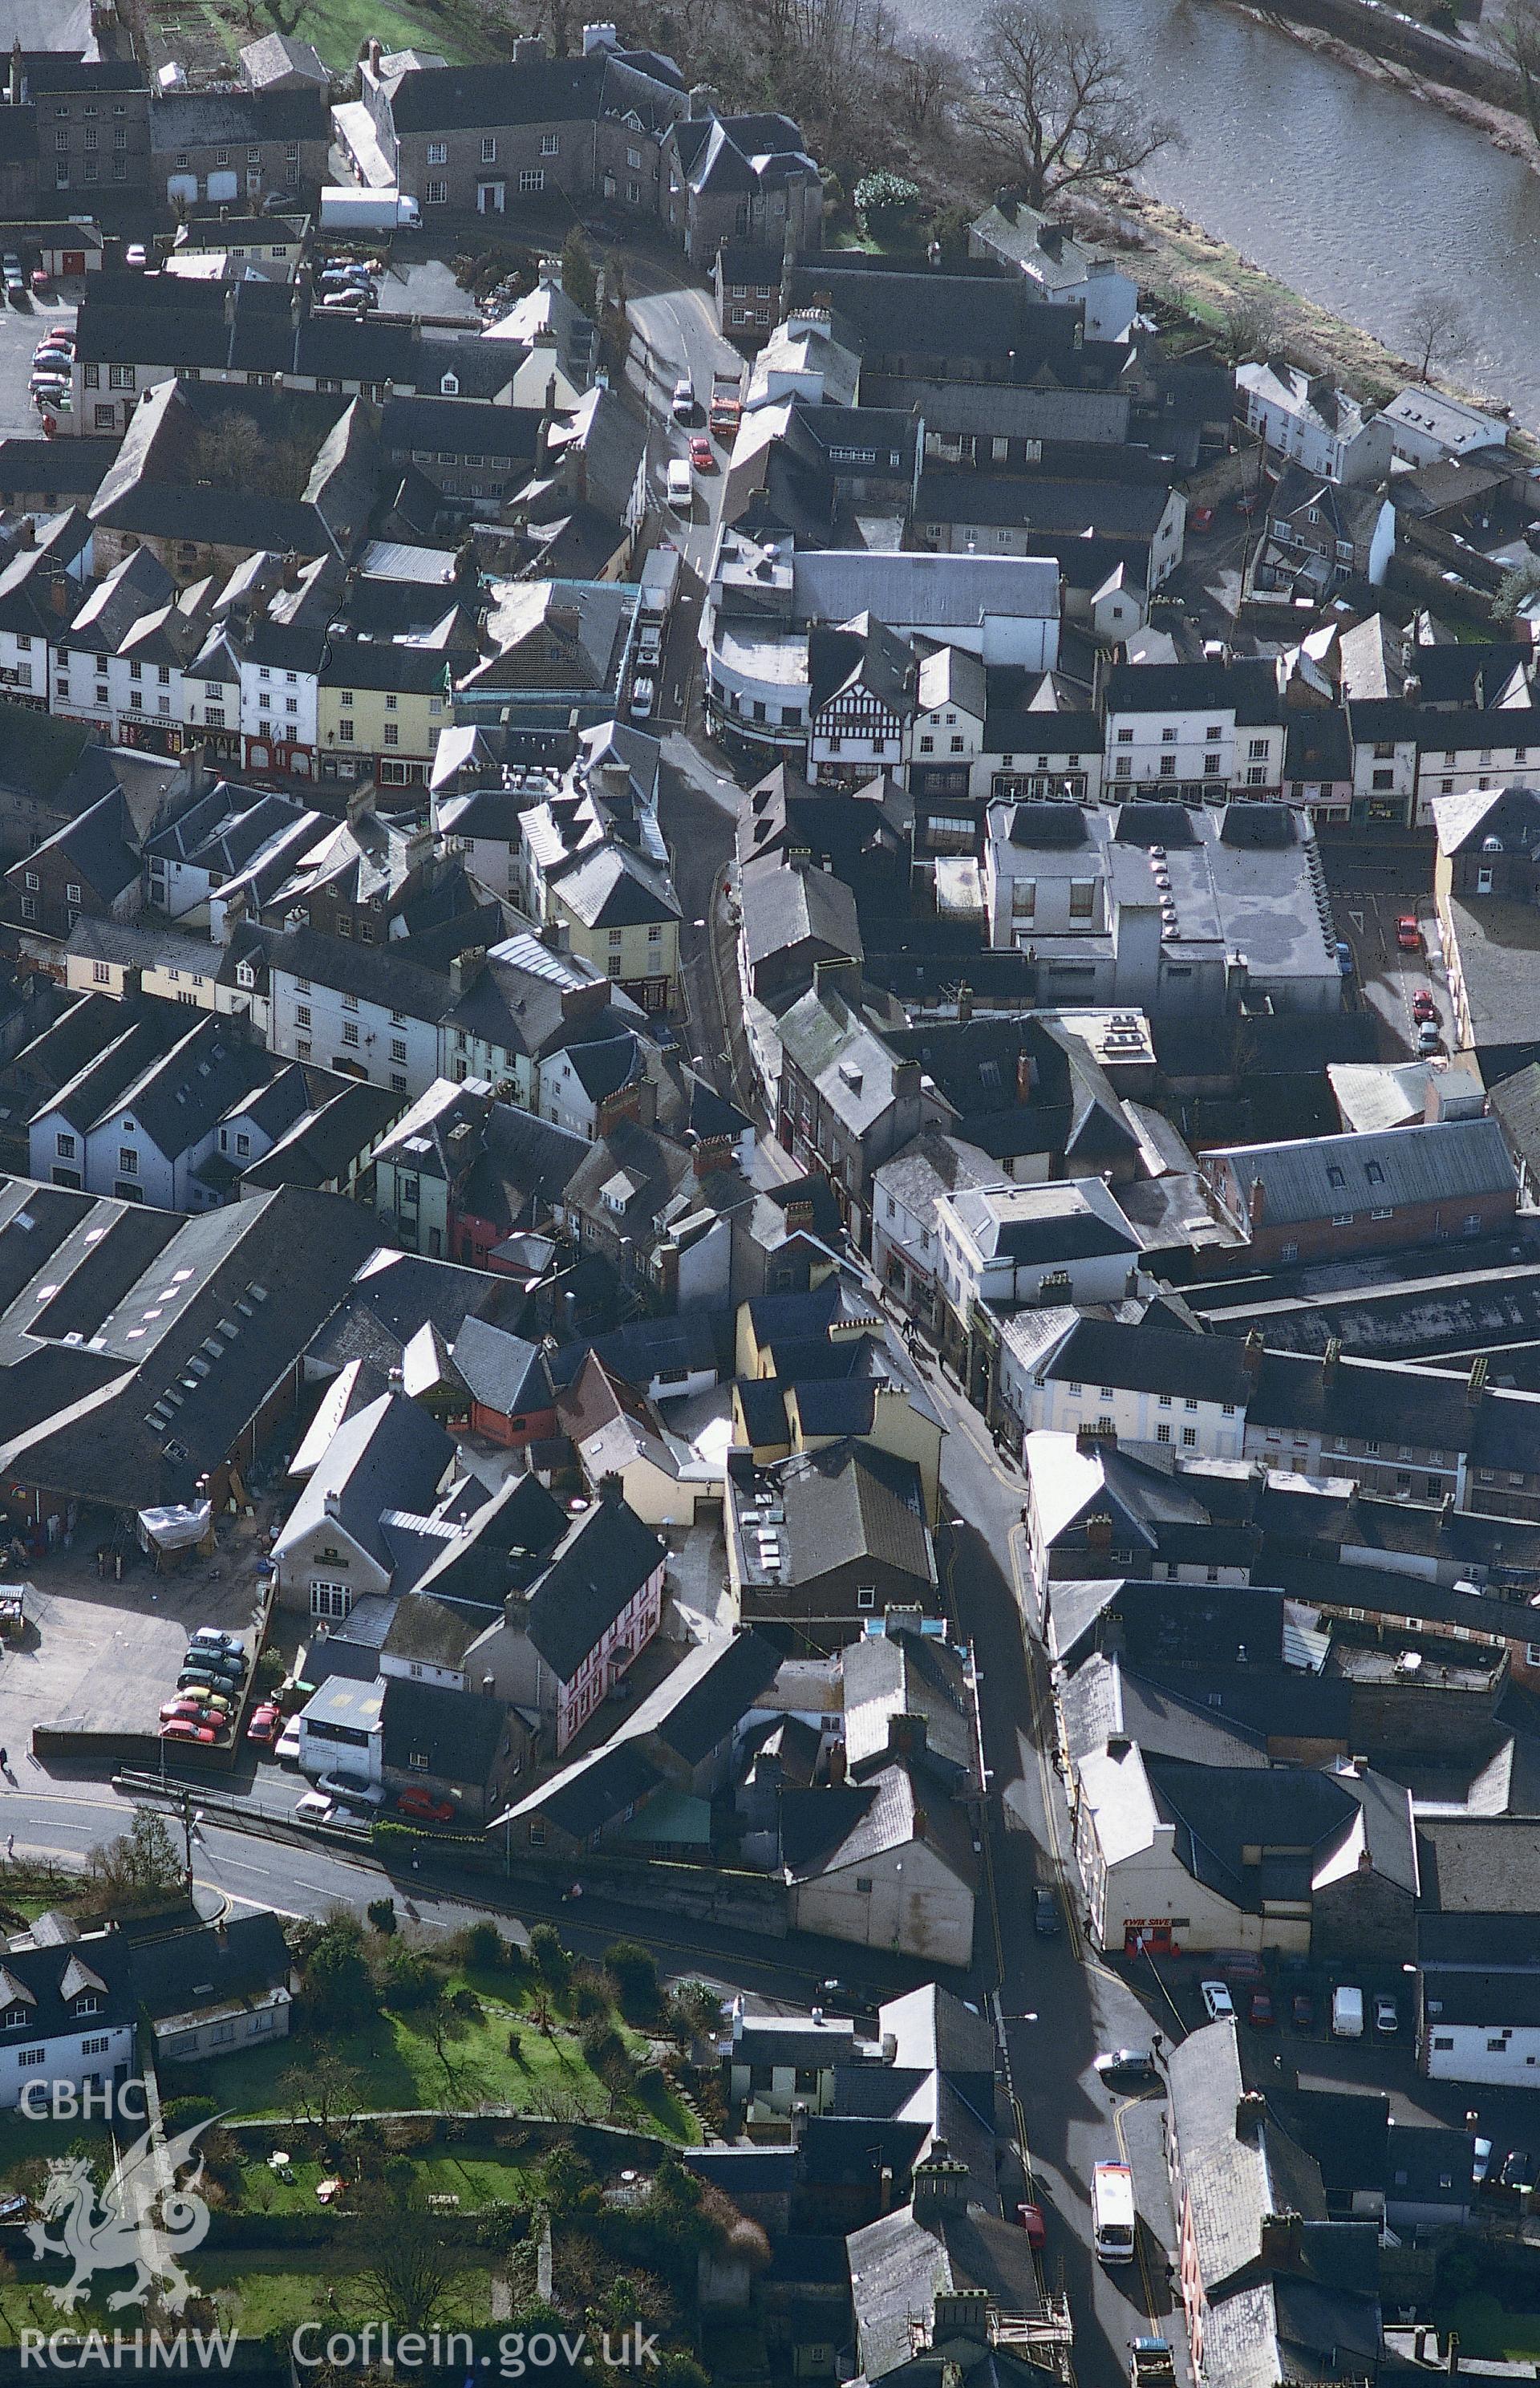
<point x="146" y="2219"/>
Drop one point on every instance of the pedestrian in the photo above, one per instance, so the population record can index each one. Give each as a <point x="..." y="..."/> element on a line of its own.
<point x="11" y="1845"/>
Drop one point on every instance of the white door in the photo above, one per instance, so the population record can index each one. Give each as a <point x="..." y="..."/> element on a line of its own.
<point x="488" y="198"/>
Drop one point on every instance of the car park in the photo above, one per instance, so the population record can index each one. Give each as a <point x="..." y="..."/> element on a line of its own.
<point x="1030" y="2216"/>
<point x="1261" y="2011"/>
<point x="1045" y="1912"/>
<point x="703" y="456"/>
<point x="1386" y="2020"/>
<point x="416" y="1801"/>
<point x="1127" y="2065"/>
<point x="1408" y="934"/>
<point x="1217" y="2003"/>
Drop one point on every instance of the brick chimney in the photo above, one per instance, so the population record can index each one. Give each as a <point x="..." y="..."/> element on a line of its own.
<point x="1282" y="2248"/>
<point x="939" y="2185"/>
<point x="1330" y="1358"/>
<point x="611" y="1490"/>
<point x="1475" y="1384"/>
<point x="1252" y="1351"/>
<point x="961" y="2313"/>
<point x="1256" y="1202"/>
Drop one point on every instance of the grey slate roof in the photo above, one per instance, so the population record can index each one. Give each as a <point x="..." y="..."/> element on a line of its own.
<point x="388" y="1455"/>
<point x="459" y="1732"/>
<point x="598" y="1567"/>
<point x="1441" y="1163"/>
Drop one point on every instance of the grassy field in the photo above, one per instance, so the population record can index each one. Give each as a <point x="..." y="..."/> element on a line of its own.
<point x="457" y="31"/>
<point x="1488" y="2332"/>
<point x="399" y="2066"/>
<point x="477" y="2177"/>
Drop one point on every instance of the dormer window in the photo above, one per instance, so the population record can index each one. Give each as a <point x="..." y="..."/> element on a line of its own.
<point x="448" y="386"/>
<point x="88" y="2003"/>
<point x="13" y="2018"/>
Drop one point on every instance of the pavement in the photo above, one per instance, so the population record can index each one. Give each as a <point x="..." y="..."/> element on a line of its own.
<point x="20" y="330"/>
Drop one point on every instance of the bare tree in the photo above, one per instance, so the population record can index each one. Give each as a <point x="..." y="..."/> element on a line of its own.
<point x="1439" y="328"/>
<point x="925" y="84"/>
<point x="1521" y="25"/>
<point x="1248" y="327"/>
<point x="321" y="2088"/>
<point x="406" y="2263"/>
<point x="1059" y="102"/>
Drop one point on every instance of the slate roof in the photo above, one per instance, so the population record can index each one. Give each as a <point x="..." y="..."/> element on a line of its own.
<point x="1144" y="1359"/>
<point x="785" y="907"/>
<point x="897" y="1674"/>
<point x="47" y="1980"/>
<point x="388" y="1455"/>
<point x="1445" y="1162"/>
<point x="502" y="1371"/>
<point x="832" y="1832"/>
<point x="460" y="1733"/>
<point x="215" y="1965"/>
<point x="850" y="1503"/>
<point x="595" y="1571"/>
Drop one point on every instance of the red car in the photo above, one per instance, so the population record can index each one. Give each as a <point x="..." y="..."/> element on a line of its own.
<point x="265" y="1726"/>
<point x="1031" y="2219"/>
<point x="1408" y="935"/>
<point x="187" y="1729"/>
<point x="702" y="454"/>
<point x="1423" y="1006"/>
<point x="1199" y="517"/>
<point x="1261" y="2011"/>
<point x="416" y="1802"/>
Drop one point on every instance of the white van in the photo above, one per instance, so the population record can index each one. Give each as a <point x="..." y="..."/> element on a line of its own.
<point x="1347" y="2013"/>
<point x="681" y="488"/>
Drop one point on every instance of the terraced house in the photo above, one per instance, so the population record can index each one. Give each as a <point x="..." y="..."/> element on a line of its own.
<point x="478" y="137"/>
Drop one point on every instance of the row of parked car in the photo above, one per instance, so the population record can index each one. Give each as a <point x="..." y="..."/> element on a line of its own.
<point x="208" y="1695"/>
<point x="1347" y="2009"/>
<point x="52" y="370"/>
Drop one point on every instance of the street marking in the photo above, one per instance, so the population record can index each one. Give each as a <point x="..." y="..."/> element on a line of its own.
<point x="1357" y="921"/>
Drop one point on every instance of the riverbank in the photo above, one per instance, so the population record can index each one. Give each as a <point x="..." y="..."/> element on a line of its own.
<point x="1184" y="266"/>
<point x="1504" y="128"/>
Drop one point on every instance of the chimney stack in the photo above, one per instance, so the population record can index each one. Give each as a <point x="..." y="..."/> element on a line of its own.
<point x="1282" y="2247"/>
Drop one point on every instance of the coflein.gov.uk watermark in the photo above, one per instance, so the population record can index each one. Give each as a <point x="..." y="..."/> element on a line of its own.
<point x="517" y="2354"/>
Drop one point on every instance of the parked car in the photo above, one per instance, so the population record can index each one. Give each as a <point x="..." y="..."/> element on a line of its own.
<point x="201" y="1679"/>
<point x="1217" y="2003"/>
<point x="1430" y="1036"/>
<point x="1386" y="2020"/>
<point x="42" y="282"/>
<point x="1344" y="957"/>
<point x="416" y="1801"/>
<point x="1127" y="2064"/>
<point x="347" y="1786"/>
<point x="135" y="257"/>
<point x="703" y="456"/>
<point x="1518" y="2172"/>
<point x="1031" y="2219"/>
<point x="1262" y="2014"/>
<point x="265" y="1725"/>
<point x="189" y="1708"/>
<point x="1408" y="934"/>
<point x="15" y="281"/>
<point x="187" y="1729"/>
<point x="1045" y="1912"/>
<point x="1480" y="2160"/>
<point x="643" y="689"/>
<point x="1347" y="2012"/>
<point x="285" y="1749"/>
<point x="1423" y="1006"/>
<point x="1199" y="517"/>
<point x="1302" y="2008"/>
<point x="313" y="1808"/>
<point x="215" y="1637"/>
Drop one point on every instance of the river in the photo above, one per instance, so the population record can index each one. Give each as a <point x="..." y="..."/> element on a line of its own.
<point x="1353" y="195"/>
